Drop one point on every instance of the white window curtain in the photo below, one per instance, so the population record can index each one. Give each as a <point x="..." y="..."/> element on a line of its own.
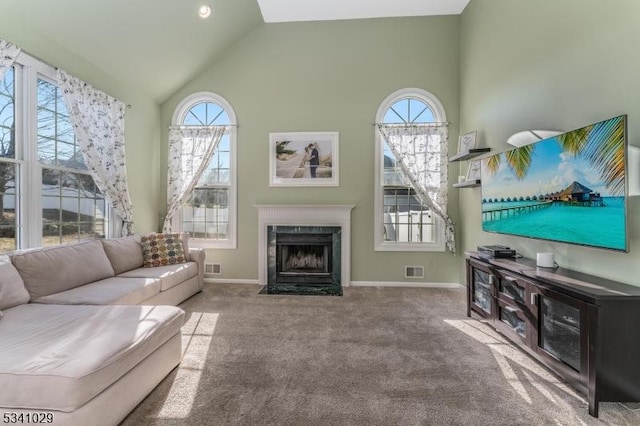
<point x="8" y="54"/>
<point x="190" y="150"/>
<point x="98" y="121"/>
<point x="421" y="151"/>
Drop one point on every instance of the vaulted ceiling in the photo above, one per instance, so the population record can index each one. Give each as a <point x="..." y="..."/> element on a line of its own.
<point x="159" y="45"/>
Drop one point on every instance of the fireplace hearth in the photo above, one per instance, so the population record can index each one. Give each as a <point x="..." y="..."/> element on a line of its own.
<point x="303" y="260"/>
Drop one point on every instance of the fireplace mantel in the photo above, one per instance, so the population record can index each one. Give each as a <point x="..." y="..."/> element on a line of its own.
<point x="304" y="215"/>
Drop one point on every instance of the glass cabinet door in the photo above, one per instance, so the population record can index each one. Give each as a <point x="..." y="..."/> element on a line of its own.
<point x="481" y="291"/>
<point x="559" y="332"/>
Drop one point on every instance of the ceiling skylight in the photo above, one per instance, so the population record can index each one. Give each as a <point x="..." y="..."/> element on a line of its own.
<point x="327" y="10"/>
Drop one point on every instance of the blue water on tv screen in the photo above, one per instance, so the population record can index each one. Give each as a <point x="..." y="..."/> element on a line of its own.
<point x="569" y="188"/>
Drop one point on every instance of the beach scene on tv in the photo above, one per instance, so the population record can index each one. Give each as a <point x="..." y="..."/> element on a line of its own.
<point x="570" y="188"/>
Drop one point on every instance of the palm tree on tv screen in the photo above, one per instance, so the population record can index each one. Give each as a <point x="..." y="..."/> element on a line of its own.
<point x="518" y="159"/>
<point x="601" y="144"/>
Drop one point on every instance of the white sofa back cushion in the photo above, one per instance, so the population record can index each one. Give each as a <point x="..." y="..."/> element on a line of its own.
<point x="124" y="253"/>
<point x="54" y="269"/>
<point x="12" y="290"/>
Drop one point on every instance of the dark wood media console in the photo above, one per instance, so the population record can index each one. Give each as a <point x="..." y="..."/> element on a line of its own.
<point x="584" y="328"/>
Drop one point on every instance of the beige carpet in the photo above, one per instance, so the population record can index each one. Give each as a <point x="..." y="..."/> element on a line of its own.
<point x="376" y="356"/>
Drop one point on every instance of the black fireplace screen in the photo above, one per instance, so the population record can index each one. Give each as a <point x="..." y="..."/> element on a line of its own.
<point x="304" y="259"/>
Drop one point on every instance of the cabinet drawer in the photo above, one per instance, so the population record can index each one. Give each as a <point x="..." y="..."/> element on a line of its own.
<point x="514" y="289"/>
<point x="512" y="322"/>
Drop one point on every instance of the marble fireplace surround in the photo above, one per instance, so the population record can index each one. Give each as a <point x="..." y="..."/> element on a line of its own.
<point x="305" y="215"/>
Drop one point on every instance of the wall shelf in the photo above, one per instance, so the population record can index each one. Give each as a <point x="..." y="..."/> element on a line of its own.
<point x="467" y="184"/>
<point x="466" y="155"/>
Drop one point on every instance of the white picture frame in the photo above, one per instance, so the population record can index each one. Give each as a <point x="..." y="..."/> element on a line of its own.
<point x="473" y="172"/>
<point x="303" y="159"/>
<point x="467" y="141"/>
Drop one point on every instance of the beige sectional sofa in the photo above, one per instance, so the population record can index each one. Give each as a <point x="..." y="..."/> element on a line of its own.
<point x="82" y="336"/>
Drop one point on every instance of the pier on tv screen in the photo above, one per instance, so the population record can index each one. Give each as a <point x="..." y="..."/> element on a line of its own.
<point x="569" y="188"/>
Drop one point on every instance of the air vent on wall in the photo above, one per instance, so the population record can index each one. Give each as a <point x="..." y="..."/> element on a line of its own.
<point x="414" y="272"/>
<point x="212" y="268"/>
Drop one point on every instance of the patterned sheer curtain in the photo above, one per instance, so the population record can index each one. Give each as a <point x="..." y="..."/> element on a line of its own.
<point x="8" y="54"/>
<point x="190" y="150"/>
<point x="421" y="151"/>
<point x="98" y="122"/>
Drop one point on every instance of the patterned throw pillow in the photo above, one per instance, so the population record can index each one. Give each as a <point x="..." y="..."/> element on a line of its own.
<point x="162" y="249"/>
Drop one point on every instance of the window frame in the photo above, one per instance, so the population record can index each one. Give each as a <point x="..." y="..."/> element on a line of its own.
<point x="179" y="114"/>
<point x="438" y="245"/>
<point x="29" y="220"/>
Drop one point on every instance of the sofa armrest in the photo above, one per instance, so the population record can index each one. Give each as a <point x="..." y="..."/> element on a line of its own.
<point x="198" y="255"/>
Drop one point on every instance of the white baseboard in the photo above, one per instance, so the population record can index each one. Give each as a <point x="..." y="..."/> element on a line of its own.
<point x="352" y="284"/>
<point x="229" y="281"/>
<point x="404" y="284"/>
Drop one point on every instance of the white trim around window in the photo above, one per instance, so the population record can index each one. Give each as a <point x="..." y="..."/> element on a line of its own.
<point x="29" y="187"/>
<point x="177" y="119"/>
<point x="439" y="116"/>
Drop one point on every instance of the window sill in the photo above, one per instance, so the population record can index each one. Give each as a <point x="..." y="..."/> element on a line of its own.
<point x="207" y="244"/>
<point x="423" y="247"/>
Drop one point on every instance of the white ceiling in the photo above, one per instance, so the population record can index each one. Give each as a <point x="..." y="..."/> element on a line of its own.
<point x="328" y="10"/>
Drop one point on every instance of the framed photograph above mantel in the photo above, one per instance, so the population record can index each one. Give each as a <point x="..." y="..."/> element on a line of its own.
<point x="303" y="159"/>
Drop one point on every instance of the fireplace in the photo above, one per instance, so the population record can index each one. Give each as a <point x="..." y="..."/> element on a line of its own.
<point x="304" y="260"/>
<point x="304" y="221"/>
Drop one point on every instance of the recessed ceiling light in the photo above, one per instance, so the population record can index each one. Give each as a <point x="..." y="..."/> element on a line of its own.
<point x="204" y="11"/>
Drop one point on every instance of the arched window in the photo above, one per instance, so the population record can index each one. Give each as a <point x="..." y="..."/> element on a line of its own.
<point x="402" y="222"/>
<point x="209" y="214"/>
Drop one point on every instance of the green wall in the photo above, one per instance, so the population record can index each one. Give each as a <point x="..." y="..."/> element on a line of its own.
<point x="328" y="76"/>
<point x="550" y="64"/>
<point x="142" y="120"/>
<point x="500" y="67"/>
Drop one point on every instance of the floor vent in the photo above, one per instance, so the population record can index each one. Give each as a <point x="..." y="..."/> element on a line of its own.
<point x="212" y="268"/>
<point x="413" y="272"/>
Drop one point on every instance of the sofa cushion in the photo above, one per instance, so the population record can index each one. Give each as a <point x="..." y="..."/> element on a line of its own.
<point x="110" y="291"/>
<point x="12" y="290"/>
<point x="124" y="253"/>
<point x="54" y="269"/>
<point x="73" y="353"/>
<point x="162" y="249"/>
<point x="171" y="275"/>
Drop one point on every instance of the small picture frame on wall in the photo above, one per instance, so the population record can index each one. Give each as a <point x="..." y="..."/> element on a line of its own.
<point x="303" y="159"/>
<point x="467" y="142"/>
<point x="473" y="172"/>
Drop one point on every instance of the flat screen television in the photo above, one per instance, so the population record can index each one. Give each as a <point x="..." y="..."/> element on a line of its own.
<point x="570" y="188"/>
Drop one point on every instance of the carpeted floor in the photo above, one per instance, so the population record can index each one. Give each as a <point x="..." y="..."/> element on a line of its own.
<point x="376" y="356"/>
